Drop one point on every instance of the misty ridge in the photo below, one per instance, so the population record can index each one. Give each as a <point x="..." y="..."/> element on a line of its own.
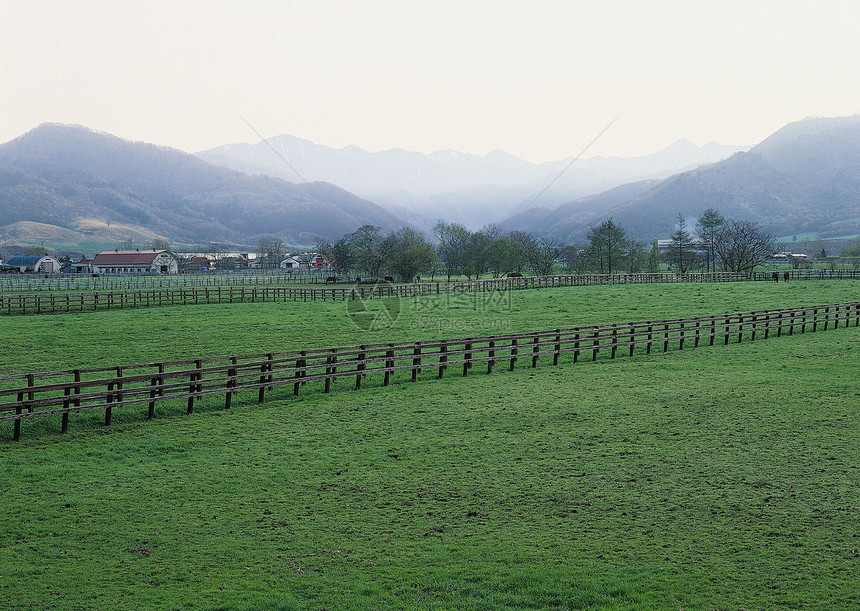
<point x="69" y="185"/>
<point x="454" y="186"/>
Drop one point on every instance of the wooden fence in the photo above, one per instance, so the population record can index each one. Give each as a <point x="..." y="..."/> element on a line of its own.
<point x="106" y="283"/>
<point x="37" y="395"/>
<point x="18" y="283"/>
<point x="91" y="301"/>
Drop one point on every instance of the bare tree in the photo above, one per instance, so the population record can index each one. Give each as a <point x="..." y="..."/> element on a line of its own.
<point x="452" y="240"/>
<point x="741" y="245"/>
<point x="160" y="244"/>
<point x="271" y="249"/>
<point x="575" y="258"/>
<point x="541" y="255"/>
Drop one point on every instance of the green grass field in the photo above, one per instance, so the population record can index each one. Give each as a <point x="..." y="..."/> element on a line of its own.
<point x="723" y="477"/>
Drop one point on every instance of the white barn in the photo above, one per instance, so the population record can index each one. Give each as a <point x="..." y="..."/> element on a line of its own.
<point x="150" y="261"/>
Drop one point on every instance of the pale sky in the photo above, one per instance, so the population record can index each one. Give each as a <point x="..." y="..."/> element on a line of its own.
<point x="538" y="79"/>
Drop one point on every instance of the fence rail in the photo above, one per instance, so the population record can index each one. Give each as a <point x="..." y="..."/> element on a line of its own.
<point x="36" y="395"/>
<point x="107" y="282"/>
<point x="91" y="301"/>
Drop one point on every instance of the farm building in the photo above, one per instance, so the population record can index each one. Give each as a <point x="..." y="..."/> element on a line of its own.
<point x="304" y="261"/>
<point x="37" y="264"/>
<point x="150" y="261"/>
<point x="84" y="266"/>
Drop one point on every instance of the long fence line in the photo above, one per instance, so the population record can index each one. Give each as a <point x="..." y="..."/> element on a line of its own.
<point x="60" y="393"/>
<point x="91" y="301"/>
<point x="104" y="282"/>
<point x="76" y="282"/>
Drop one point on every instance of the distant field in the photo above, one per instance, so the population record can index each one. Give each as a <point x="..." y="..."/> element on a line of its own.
<point x="721" y="477"/>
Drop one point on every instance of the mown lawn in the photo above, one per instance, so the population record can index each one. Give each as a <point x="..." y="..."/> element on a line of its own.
<point x="723" y="477"/>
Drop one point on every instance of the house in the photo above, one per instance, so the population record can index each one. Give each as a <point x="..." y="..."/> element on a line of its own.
<point x="308" y="260"/>
<point x="36" y="264"/>
<point x="149" y="261"/>
<point x="84" y="266"/>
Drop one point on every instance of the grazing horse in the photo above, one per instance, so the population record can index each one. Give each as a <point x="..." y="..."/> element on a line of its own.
<point x="418" y="279"/>
<point x="388" y="279"/>
<point x="331" y="280"/>
<point x="786" y="276"/>
<point x="775" y="276"/>
<point x="514" y="275"/>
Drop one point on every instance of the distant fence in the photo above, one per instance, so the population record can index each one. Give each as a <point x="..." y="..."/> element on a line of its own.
<point x="91" y="301"/>
<point x="807" y="274"/>
<point x="60" y="393"/>
<point x="105" y="282"/>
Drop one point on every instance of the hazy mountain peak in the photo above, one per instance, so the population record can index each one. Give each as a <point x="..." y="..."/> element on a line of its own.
<point x="59" y="174"/>
<point x="457" y="186"/>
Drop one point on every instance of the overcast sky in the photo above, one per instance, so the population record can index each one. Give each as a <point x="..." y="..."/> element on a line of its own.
<point x="538" y="79"/>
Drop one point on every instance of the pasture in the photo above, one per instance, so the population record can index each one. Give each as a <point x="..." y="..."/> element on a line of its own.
<point x="725" y="477"/>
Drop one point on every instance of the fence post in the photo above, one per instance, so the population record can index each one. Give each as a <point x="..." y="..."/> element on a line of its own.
<point x="576" y="347"/>
<point x="389" y="363"/>
<point x="491" y="353"/>
<point x="467" y="363"/>
<point x="77" y="387"/>
<point x="681" y="342"/>
<point x="19" y="409"/>
<point x="362" y="355"/>
<point x="300" y="373"/>
<point x="726" y="338"/>
<point x="666" y="337"/>
<point x="262" y="391"/>
<point x="194" y="387"/>
<point x="514" y="351"/>
<point x="329" y="371"/>
<point x="535" y="350"/>
<point x="595" y="348"/>
<point x="814" y="320"/>
<point x="443" y="358"/>
<point x="65" y="423"/>
<point x="231" y="383"/>
<point x="416" y="361"/>
<point x="156" y="381"/>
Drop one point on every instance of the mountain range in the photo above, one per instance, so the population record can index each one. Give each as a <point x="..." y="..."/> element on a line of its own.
<point x="803" y="178"/>
<point x="455" y="186"/>
<point x="71" y="186"/>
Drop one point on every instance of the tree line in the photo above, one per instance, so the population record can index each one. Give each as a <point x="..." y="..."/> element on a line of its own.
<point x="718" y="244"/>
